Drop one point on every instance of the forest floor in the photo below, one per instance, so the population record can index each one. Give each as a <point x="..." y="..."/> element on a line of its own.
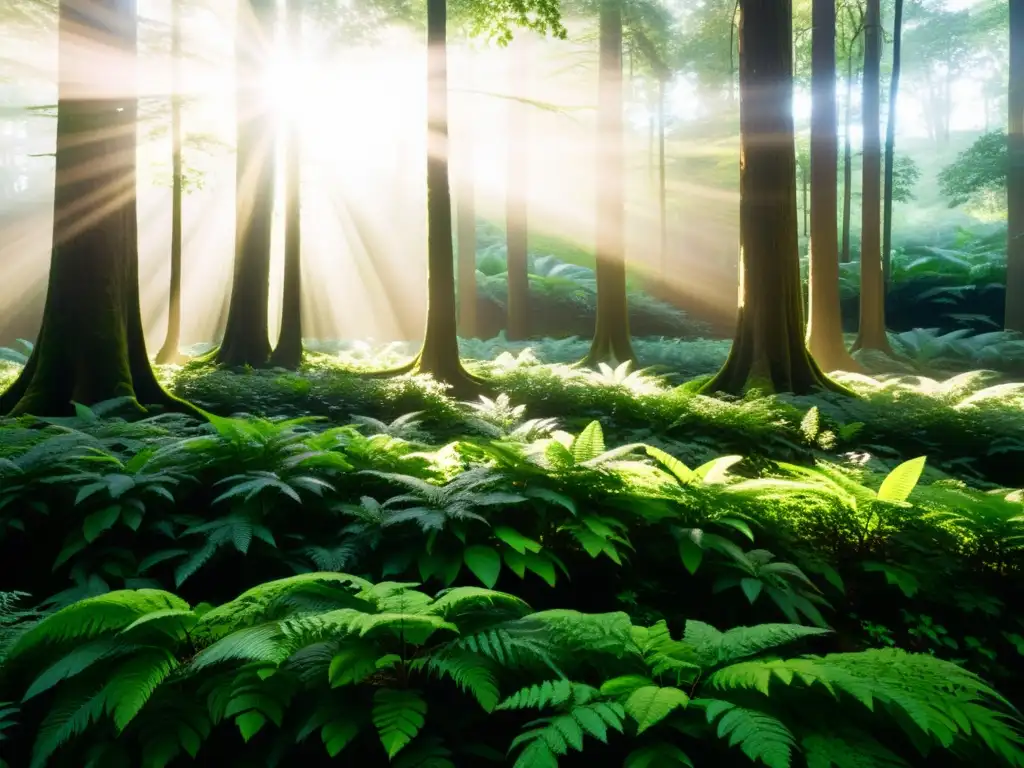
<point x="893" y="517"/>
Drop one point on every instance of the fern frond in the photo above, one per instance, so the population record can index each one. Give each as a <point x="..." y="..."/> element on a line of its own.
<point x="713" y="648"/>
<point x="398" y="716"/>
<point x="760" y="736"/>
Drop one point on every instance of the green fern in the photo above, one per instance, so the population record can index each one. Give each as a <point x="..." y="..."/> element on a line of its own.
<point x="398" y="717"/>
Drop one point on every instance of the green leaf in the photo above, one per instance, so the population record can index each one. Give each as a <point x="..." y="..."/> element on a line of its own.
<point x="899" y="483"/>
<point x="338" y="734"/>
<point x="250" y="723"/>
<point x="690" y="552"/>
<point x="682" y="472"/>
<point x="716" y="471"/>
<point x="542" y="567"/>
<point x="652" y="704"/>
<point x="100" y="521"/>
<point x="589" y="444"/>
<point x="619" y="686"/>
<point x="516" y="540"/>
<point x="751" y="588"/>
<point x="485" y="563"/>
<point x="660" y="754"/>
<point x="398" y="715"/>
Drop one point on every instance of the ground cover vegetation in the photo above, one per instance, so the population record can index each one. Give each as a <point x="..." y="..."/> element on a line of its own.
<point x="572" y="522"/>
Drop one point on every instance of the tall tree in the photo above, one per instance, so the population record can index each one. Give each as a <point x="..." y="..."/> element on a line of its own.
<point x="611" y="341"/>
<point x="855" y="29"/>
<point x="890" y="141"/>
<point x="517" y="314"/>
<point x="871" y="333"/>
<point x="90" y="345"/>
<point x="1015" y="174"/>
<point x="769" y="342"/>
<point x="824" y="321"/>
<point x="169" y="352"/>
<point x="466" y="221"/>
<point x="246" y="335"/>
<point x="288" y="352"/>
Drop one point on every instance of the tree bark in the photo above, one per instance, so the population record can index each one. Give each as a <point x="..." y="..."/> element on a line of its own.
<point x="466" y="232"/>
<point x="871" y="333"/>
<point x="611" y="343"/>
<point x="439" y="355"/>
<point x="1015" y="174"/>
<point x="517" y="307"/>
<point x="90" y="346"/>
<point x="768" y="348"/>
<point x="246" y="336"/>
<point x="890" y="143"/>
<point x="845" y="254"/>
<point x="169" y="352"/>
<point x="288" y="353"/>
<point x="825" y="325"/>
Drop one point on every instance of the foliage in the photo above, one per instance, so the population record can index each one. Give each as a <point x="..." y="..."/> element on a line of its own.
<point x="978" y="175"/>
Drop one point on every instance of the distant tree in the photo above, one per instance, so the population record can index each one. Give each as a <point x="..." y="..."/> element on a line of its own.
<point x="246" y="336"/>
<point x="517" y="234"/>
<point x="90" y="346"/>
<point x="1015" y="174"/>
<point x="170" y="352"/>
<point x="288" y="351"/>
<point x="852" y="26"/>
<point x="769" y="343"/>
<point x="890" y="140"/>
<point x="824" y="321"/>
<point x="871" y="334"/>
<point x="978" y="175"/>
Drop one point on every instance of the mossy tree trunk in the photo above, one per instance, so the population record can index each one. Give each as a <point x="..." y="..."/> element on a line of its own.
<point x="246" y="335"/>
<point x="768" y="348"/>
<point x="517" y="308"/>
<point x="890" y="142"/>
<point x="439" y="355"/>
<point x="1015" y="176"/>
<point x="824" y="320"/>
<point x="871" y="333"/>
<point x="288" y="352"/>
<point x="90" y="346"/>
<point x="611" y="343"/>
<point x="169" y="352"/>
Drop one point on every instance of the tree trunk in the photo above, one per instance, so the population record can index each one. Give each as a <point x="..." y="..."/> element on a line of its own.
<point x="890" y="143"/>
<point x="517" y="308"/>
<point x="288" y="353"/>
<point x="768" y="347"/>
<point x="246" y="336"/>
<point x="611" y="343"/>
<point x="805" y="206"/>
<point x="871" y="333"/>
<point x="169" y="352"/>
<point x="90" y="346"/>
<point x="845" y="255"/>
<point x="1015" y="174"/>
<point x="439" y="355"/>
<point x="466" y="234"/>
<point x="825" y="324"/>
<point x="662" y="206"/>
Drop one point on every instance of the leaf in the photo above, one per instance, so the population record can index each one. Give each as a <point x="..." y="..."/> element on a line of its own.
<point x="716" y="470"/>
<point x="250" y="723"/>
<point x="485" y="563"/>
<point x="652" y="704"/>
<point x="100" y="521"/>
<point x="899" y="483"/>
<point x="751" y="588"/>
<point x="660" y="754"/>
<point x="398" y="716"/>
<point x="690" y="552"/>
<point x="516" y="540"/>
<point x="682" y="472"/>
<point x="589" y="444"/>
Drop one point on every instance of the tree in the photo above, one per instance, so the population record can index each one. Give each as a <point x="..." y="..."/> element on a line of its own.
<point x="890" y="141"/>
<point x="854" y="29"/>
<point x="90" y="346"/>
<point x="288" y="352"/>
<point x="611" y="341"/>
<point x="169" y="352"/>
<point x="769" y="341"/>
<point x="1015" y="175"/>
<point x="824" y="321"/>
<point x="978" y="176"/>
<point x="466" y="223"/>
<point x="871" y="333"/>
<point x="246" y="334"/>
<point x="517" y="309"/>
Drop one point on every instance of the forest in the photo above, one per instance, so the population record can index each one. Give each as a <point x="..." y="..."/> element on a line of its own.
<point x="452" y="383"/>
